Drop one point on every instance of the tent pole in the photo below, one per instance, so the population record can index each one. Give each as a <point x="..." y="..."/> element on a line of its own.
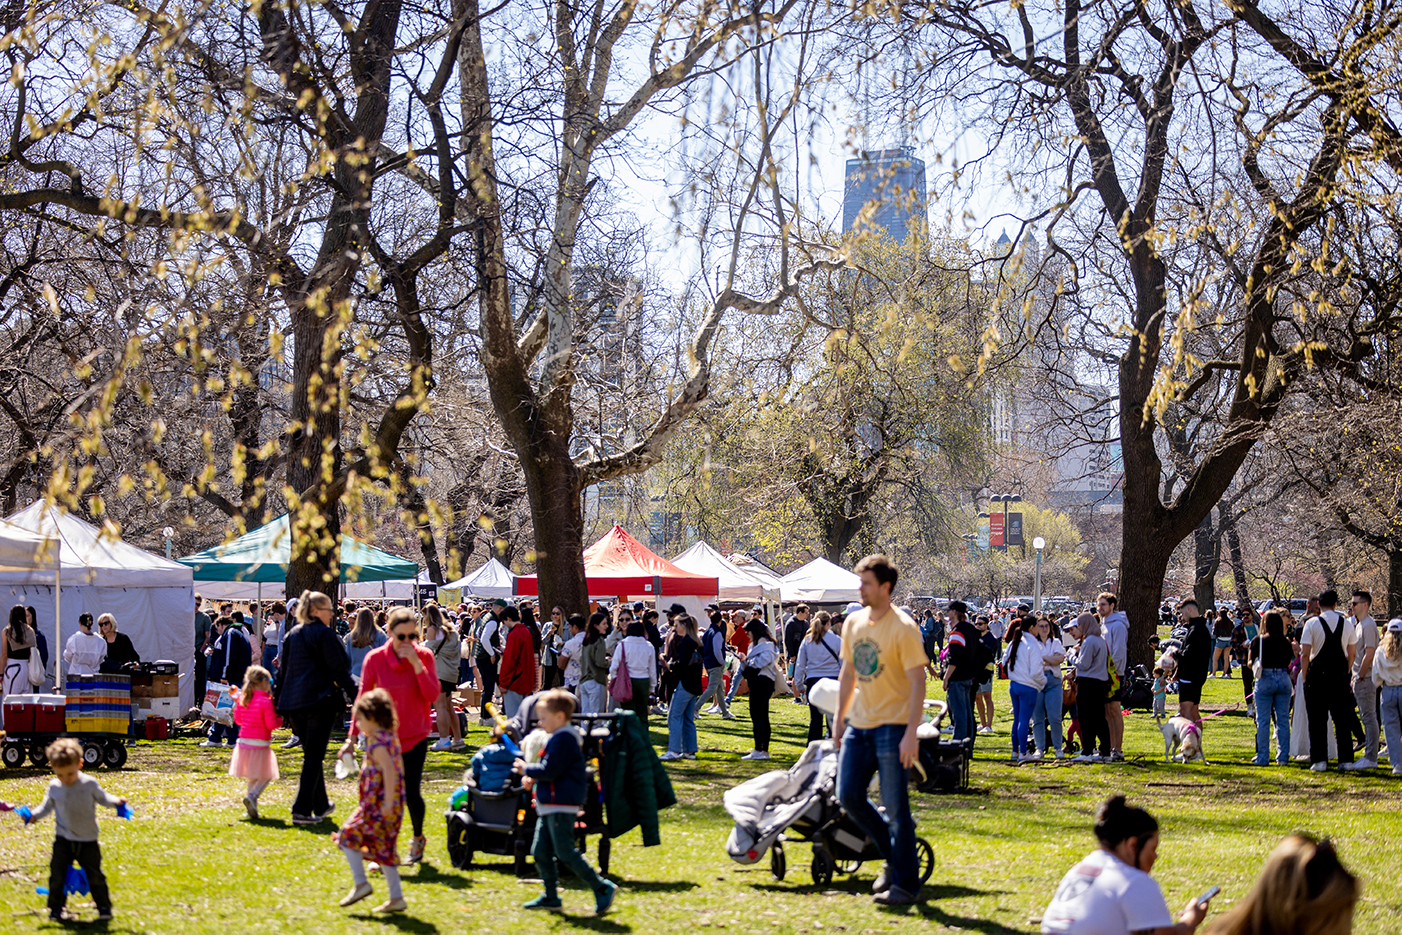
<point x="58" y="618"/>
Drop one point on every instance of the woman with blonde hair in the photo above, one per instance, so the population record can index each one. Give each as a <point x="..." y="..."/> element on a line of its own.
<point x="311" y="690"/>
<point x="1302" y="890"/>
<point x="819" y="657"/>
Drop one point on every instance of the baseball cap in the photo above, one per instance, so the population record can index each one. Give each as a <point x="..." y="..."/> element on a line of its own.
<point x="851" y="608"/>
<point x="677" y="609"/>
<point x="499" y="602"/>
<point x="1395" y="625"/>
<point x="711" y="606"/>
<point x="638" y="605"/>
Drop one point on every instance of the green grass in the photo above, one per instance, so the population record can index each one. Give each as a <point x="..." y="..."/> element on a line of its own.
<point x="191" y="862"/>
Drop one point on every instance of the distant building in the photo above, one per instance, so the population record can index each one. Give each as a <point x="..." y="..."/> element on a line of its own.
<point x="892" y="179"/>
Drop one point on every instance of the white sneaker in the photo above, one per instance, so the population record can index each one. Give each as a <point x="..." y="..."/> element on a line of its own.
<point x="1035" y="757"/>
<point x="1360" y="764"/>
<point x="1397" y="771"/>
<point x="444" y="744"/>
<point x="669" y="755"/>
<point x="1085" y="758"/>
<point x="755" y="755"/>
<point x="713" y="709"/>
<point x="1319" y="767"/>
<point x="688" y="756"/>
<point x="210" y="743"/>
<point x="985" y="730"/>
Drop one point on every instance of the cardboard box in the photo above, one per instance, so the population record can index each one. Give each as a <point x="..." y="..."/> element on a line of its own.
<point x="168" y="708"/>
<point x="155" y="686"/>
<point x="472" y="697"/>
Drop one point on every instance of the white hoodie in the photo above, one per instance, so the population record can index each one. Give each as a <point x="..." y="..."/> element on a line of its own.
<point x="1027" y="668"/>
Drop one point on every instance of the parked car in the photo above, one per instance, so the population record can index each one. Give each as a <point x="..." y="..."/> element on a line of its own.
<point x="1298" y="606"/>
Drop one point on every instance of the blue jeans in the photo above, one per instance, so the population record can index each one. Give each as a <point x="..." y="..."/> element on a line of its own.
<point x="960" y="699"/>
<point x="1273" y="693"/>
<point x="681" y="721"/>
<point x="554" y="845"/>
<point x="220" y="732"/>
<point x="877" y="751"/>
<point x="1046" y="716"/>
<point x="1024" y="699"/>
<point x="270" y="653"/>
<point x="1390" y="710"/>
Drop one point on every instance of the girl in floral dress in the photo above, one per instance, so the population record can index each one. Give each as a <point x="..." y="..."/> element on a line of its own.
<point x="372" y="832"/>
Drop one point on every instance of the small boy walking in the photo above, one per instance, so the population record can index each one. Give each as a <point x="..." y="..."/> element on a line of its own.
<point x="559" y="782"/>
<point x="1160" y="692"/>
<point x="73" y="797"/>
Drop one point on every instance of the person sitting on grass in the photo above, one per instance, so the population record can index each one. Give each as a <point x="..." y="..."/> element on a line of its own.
<point x="1110" y="891"/>
<point x="1302" y="888"/>
<point x="73" y="797"/>
<point x="559" y="784"/>
<point x="372" y="831"/>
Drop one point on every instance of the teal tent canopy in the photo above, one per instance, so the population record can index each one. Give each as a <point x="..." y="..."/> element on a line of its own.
<point x="263" y="554"/>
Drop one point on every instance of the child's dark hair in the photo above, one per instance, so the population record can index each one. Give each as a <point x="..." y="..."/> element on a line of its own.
<point x="64" y="752"/>
<point x="1116" y="821"/>
<point x="557" y="700"/>
<point x="376" y="705"/>
<point x="1158" y="670"/>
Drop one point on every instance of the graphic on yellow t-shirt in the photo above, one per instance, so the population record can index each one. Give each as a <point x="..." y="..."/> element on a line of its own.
<point x="880" y="652"/>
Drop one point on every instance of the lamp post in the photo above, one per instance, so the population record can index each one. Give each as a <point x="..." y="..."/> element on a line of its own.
<point x="1039" y="544"/>
<point x="169" y="534"/>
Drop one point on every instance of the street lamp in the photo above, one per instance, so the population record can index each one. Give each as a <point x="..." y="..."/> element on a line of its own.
<point x="1039" y="544"/>
<point x="169" y="534"/>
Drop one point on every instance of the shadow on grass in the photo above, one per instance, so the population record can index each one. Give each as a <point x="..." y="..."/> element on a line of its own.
<point x="429" y="873"/>
<point x="949" y="920"/>
<point x="405" y="923"/>
<point x="594" y="923"/>
<point x="657" y="886"/>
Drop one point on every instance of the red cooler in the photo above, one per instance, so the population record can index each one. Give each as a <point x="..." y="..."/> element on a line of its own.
<point x="19" y="713"/>
<point x="49" y="714"/>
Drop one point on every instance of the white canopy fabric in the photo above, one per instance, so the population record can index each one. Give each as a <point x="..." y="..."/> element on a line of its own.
<point x="26" y="557"/>
<point x="152" y="599"/>
<point x="239" y="590"/>
<point x="491" y="580"/>
<point x="396" y="589"/>
<point x="755" y="568"/>
<point x="736" y="583"/>
<point x="821" y="582"/>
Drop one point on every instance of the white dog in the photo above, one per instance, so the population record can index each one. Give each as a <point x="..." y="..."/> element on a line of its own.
<point x="1182" y="740"/>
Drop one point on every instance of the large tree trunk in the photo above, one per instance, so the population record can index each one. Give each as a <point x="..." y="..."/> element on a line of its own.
<point x="1143" y="564"/>
<point x="1207" y="557"/>
<point x="552" y="483"/>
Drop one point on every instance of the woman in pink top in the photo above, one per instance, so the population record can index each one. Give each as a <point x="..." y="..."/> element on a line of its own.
<point x="406" y="670"/>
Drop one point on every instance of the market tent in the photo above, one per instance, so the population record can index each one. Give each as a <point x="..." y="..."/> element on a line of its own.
<point x="263" y="554"/>
<point x="821" y="582"/>
<point x="151" y="598"/>
<point x="620" y="566"/>
<point x="26" y="557"/>
<point x="754" y="567"/>
<point x="735" y="583"/>
<point x="491" y="580"/>
<point x="391" y="589"/>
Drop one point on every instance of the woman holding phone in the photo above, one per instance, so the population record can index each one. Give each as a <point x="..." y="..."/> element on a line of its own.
<point x="1110" y="891"/>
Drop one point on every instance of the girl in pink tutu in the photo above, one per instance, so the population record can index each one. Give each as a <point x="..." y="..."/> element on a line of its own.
<point x="253" y="757"/>
<point x="372" y="831"/>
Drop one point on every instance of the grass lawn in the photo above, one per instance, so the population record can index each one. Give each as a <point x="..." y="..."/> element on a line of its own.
<point x="191" y="861"/>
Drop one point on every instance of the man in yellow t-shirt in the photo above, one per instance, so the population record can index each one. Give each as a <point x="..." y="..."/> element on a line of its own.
<point x="881" y="694"/>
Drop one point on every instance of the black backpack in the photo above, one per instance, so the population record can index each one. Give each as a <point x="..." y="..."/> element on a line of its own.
<point x="985" y="662"/>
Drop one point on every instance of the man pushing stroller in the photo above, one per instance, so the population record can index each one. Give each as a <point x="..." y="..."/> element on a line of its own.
<point x="880" y="701"/>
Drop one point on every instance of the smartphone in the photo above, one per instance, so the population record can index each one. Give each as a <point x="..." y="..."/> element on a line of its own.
<point x="1207" y="895"/>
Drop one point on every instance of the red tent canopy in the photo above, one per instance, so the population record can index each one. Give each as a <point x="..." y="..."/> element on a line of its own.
<point x="620" y="566"/>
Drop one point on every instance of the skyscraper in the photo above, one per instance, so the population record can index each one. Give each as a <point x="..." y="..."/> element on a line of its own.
<point x="894" y="181"/>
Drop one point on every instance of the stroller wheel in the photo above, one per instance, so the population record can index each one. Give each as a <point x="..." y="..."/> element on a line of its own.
<point x="778" y="862"/>
<point x="823" y="867"/>
<point x="459" y="842"/>
<point x="924" y="859"/>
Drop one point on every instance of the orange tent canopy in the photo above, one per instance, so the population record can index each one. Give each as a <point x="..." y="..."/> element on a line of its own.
<point x="620" y="566"/>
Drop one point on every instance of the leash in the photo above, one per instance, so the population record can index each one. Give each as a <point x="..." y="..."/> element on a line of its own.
<point x="1235" y="707"/>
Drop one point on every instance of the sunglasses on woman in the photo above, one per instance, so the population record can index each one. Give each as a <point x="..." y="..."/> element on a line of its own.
<point x="406" y="636"/>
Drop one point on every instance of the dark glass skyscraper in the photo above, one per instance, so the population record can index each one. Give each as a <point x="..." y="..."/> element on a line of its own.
<point x="895" y="181"/>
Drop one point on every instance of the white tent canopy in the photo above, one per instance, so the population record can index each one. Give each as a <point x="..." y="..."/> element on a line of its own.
<point x="821" y="582"/>
<point x="26" y="557"/>
<point x="736" y="583"/>
<point x="152" y="599"/>
<point x="757" y="569"/>
<point x="491" y="580"/>
<point x="396" y="589"/>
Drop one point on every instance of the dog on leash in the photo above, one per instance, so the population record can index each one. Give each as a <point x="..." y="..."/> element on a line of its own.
<point x="1182" y="740"/>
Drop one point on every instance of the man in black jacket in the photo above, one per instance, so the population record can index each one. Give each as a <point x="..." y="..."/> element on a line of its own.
<point x="229" y="660"/>
<point x="1193" y="660"/>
